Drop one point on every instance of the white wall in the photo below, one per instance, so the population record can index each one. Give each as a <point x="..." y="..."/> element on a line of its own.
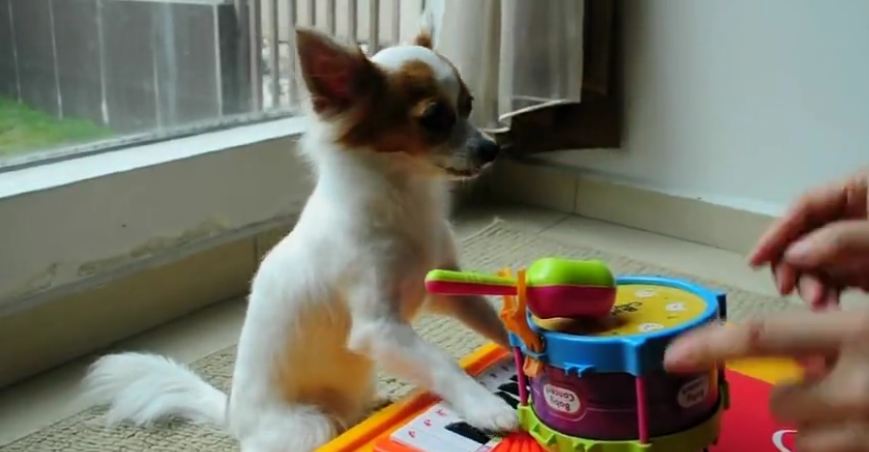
<point x="741" y="102"/>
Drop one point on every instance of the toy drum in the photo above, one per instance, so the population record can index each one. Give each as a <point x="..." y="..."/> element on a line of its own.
<point x="602" y="380"/>
<point x="604" y="406"/>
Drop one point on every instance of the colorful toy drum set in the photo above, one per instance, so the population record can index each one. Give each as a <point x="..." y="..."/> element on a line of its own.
<point x="589" y="351"/>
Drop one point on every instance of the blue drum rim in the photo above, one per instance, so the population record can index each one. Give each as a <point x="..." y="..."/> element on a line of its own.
<point x="637" y="354"/>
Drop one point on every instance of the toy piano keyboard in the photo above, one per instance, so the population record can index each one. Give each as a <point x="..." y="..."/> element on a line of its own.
<point x="439" y="429"/>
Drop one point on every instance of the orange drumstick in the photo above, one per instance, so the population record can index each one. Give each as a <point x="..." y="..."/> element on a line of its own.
<point x="513" y="313"/>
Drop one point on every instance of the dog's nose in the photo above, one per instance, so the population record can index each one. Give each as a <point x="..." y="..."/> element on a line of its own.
<point x="489" y="151"/>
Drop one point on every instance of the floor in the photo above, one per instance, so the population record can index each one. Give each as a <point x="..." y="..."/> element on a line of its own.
<point x="45" y="399"/>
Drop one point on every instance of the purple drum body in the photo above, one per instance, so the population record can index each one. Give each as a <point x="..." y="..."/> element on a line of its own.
<point x="603" y="406"/>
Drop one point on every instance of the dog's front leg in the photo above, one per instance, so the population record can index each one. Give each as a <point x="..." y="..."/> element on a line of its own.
<point x="381" y="334"/>
<point x="474" y="311"/>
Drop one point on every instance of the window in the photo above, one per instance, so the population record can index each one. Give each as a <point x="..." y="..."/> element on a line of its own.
<point x="85" y="76"/>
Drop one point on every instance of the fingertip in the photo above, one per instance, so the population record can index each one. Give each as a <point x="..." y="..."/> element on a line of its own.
<point x="758" y="265"/>
<point x="785" y="278"/>
<point x="812" y="291"/>
<point x="755" y="259"/>
<point x="679" y="357"/>
<point x="761" y="254"/>
<point x="678" y="365"/>
<point x="694" y="351"/>
<point x="772" y="243"/>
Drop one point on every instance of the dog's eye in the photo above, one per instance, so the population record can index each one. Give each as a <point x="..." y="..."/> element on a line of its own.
<point x="437" y="117"/>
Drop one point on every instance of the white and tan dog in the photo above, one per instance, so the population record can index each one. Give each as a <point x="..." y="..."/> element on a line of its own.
<point x="336" y="296"/>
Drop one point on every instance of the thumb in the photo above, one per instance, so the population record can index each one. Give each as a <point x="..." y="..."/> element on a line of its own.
<point x="832" y="245"/>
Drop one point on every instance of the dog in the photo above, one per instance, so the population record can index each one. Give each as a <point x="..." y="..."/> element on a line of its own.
<point x="335" y="298"/>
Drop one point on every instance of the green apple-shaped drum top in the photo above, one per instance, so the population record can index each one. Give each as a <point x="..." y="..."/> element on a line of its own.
<point x="555" y="287"/>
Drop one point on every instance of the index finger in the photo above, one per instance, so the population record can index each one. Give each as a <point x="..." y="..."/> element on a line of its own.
<point x="815" y="208"/>
<point x="787" y="334"/>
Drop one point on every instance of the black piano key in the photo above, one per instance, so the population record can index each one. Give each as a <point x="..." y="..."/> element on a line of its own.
<point x="514" y="377"/>
<point x="466" y="430"/>
<point x="512" y="388"/>
<point x="510" y="399"/>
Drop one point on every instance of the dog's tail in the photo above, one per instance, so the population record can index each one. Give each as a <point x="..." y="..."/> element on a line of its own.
<point x="142" y="389"/>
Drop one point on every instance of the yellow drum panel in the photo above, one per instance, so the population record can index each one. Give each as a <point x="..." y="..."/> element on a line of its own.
<point x="639" y="309"/>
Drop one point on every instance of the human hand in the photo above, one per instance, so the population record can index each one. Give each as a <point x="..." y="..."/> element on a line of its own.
<point x="821" y="246"/>
<point x="831" y="409"/>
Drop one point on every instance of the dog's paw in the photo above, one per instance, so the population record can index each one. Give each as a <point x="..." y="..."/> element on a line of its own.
<point x="488" y="412"/>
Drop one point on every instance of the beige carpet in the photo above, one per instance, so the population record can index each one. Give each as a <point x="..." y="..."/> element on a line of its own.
<point x="494" y="247"/>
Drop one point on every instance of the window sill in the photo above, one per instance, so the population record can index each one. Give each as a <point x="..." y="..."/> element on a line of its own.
<point x="69" y="222"/>
<point x="52" y="175"/>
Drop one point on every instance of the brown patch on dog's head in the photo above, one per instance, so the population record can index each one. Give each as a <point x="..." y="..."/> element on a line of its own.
<point x="411" y="113"/>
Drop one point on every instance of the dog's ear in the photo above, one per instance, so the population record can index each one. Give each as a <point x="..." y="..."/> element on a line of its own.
<point x="336" y="75"/>
<point x="431" y="17"/>
<point x="423" y="39"/>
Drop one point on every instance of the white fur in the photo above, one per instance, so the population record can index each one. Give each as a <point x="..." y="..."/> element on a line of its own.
<point x="330" y="302"/>
<point x="145" y="388"/>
